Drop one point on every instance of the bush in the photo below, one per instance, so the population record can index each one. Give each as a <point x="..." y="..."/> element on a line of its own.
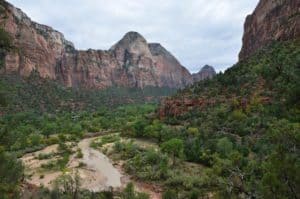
<point x="174" y="147"/>
<point x="79" y="154"/>
<point x="11" y="171"/>
<point x="130" y="193"/>
<point x="170" y="194"/>
<point x="148" y="165"/>
<point x="43" y="156"/>
<point x="106" y="139"/>
<point x="224" y="146"/>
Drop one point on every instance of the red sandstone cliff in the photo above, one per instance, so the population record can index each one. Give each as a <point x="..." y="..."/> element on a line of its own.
<point x="132" y="62"/>
<point x="271" y="20"/>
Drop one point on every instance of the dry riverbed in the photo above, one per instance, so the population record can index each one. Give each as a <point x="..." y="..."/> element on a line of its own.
<point x="97" y="172"/>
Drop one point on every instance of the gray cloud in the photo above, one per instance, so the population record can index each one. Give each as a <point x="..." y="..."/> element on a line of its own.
<point x="197" y="32"/>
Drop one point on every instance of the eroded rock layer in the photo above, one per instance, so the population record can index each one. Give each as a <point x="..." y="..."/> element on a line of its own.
<point x="132" y="62"/>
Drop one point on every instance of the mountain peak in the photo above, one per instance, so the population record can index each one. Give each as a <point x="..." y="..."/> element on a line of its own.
<point x="132" y="42"/>
<point x="206" y="72"/>
<point x="207" y="68"/>
<point x="132" y="36"/>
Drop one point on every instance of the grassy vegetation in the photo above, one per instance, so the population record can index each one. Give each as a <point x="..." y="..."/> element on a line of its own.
<point x="64" y="152"/>
<point x="98" y="143"/>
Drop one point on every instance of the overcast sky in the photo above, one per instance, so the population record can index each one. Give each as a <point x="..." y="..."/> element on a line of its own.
<point x="197" y="32"/>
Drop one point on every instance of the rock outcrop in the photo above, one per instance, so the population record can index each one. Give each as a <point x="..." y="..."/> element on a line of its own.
<point x="206" y="72"/>
<point x="272" y="20"/>
<point x="131" y="62"/>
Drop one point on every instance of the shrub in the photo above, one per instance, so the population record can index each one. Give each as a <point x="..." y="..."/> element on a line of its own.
<point x="79" y="154"/>
<point x="170" y="194"/>
<point x="174" y="147"/>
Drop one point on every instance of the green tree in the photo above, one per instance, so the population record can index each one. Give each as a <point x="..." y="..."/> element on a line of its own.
<point x="281" y="170"/>
<point x="130" y="193"/>
<point x="173" y="147"/>
<point x="76" y="129"/>
<point x="48" y="129"/>
<point x="224" y="147"/>
<point x="139" y="127"/>
<point x="3" y="100"/>
<point x="11" y="172"/>
<point x="170" y="194"/>
<point x="155" y="130"/>
<point x="192" y="131"/>
<point x="69" y="185"/>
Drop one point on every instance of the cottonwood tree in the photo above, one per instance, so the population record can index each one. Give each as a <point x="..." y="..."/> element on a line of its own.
<point x="173" y="147"/>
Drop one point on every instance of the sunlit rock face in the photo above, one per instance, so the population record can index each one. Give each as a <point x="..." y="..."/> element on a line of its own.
<point x="272" y="20"/>
<point x="131" y="62"/>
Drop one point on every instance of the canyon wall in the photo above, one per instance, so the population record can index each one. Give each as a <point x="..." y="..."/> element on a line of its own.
<point x="272" y="20"/>
<point x="132" y="62"/>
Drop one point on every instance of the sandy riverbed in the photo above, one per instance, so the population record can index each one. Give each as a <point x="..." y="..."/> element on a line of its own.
<point x="97" y="174"/>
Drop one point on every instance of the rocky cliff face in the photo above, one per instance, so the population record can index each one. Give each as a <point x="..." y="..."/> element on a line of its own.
<point x="132" y="62"/>
<point x="271" y="20"/>
<point x="169" y="70"/>
<point x="206" y="72"/>
<point x="39" y="46"/>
